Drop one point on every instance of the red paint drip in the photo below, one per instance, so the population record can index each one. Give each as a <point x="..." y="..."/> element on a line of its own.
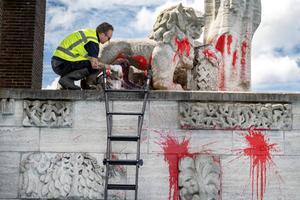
<point x="243" y="60"/>
<point x="220" y="45"/>
<point x="234" y="59"/>
<point x="173" y="152"/>
<point x="209" y="54"/>
<point x="221" y="80"/>
<point x="183" y="46"/>
<point x="229" y="41"/>
<point x="259" y="153"/>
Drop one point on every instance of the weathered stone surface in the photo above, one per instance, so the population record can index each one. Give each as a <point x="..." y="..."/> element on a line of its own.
<point x="9" y="174"/>
<point x="7" y="106"/>
<point x="89" y="115"/>
<point x="292" y="142"/>
<point x="163" y="114"/>
<point x="19" y="139"/>
<point x="153" y="178"/>
<point x="15" y="119"/>
<point x="47" y="113"/>
<point x="235" y="116"/>
<point x="200" y="177"/>
<point x="65" y="175"/>
<point x="73" y="140"/>
<point x="296" y="122"/>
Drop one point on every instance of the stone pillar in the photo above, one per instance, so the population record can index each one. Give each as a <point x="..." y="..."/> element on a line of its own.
<point x="230" y="26"/>
<point x="21" y="43"/>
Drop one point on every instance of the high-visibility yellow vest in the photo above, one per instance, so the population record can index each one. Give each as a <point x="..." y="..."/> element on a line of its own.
<point x="72" y="47"/>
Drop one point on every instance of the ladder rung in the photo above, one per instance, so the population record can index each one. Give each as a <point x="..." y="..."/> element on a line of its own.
<point x="121" y="187"/>
<point x="123" y="113"/>
<point x="127" y="91"/>
<point x="123" y="162"/>
<point x="124" y="138"/>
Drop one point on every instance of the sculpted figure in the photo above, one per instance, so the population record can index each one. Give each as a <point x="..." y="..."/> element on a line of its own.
<point x="170" y="51"/>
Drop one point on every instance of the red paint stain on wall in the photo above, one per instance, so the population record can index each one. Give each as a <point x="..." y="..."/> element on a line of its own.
<point x="258" y="151"/>
<point x="229" y="41"/>
<point x="173" y="152"/>
<point x="220" y="46"/>
<point x="234" y="59"/>
<point x="183" y="47"/>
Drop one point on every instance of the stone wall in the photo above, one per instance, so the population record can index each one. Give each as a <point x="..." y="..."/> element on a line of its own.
<point x="52" y="144"/>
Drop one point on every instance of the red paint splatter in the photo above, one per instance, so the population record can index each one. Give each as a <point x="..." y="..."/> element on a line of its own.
<point x="141" y="62"/>
<point x="221" y="76"/>
<point x="209" y="54"/>
<point x="173" y="152"/>
<point x="229" y="41"/>
<point x="220" y="45"/>
<point x="243" y="60"/>
<point x="183" y="46"/>
<point x="259" y="153"/>
<point x="234" y="59"/>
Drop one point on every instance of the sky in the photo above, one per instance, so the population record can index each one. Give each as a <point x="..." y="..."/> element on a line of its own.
<point x="275" y="46"/>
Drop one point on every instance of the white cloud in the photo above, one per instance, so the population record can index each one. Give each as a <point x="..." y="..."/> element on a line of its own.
<point x="53" y="85"/>
<point x="269" y="69"/>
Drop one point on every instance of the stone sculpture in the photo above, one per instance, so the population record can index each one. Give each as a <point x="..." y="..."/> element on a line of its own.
<point x="200" y="178"/>
<point x="64" y="175"/>
<point x="235" y="116"/>
<point x="229" y="27"/>
<point x="47" y="114"/>
<point x="171" y="50"/>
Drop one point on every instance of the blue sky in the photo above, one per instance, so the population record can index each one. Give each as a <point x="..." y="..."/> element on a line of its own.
<point x="275" y="47"/>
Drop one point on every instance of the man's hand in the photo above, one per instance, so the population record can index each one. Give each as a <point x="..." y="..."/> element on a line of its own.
<point x="94" y="62"/>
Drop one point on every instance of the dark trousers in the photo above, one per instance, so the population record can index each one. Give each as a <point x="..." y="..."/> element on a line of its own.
<point x="63" y="67"/>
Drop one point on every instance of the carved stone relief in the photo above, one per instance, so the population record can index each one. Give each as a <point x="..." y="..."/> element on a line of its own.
<point x="65" y="175"/>
<point x="7" y="106"/>
<point x="235" y="116"/>
<point x="200" y="178"/>
<point x="47" y="114"/>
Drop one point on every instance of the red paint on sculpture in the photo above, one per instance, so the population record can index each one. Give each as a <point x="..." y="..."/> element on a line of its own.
<point x="243" y="60"/>
<point x="141" y="62"/>
<point x="234" y="59"/>
<point x="229" y="41"/>
<point x="183" y="47"/>
<point x="209" y="54"/>
<point x="259" y="152"/>
<point x="220" y="45"/>
<point x="173" y="152"/>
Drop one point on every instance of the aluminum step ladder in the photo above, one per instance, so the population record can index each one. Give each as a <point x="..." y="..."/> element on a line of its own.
<point x="108" y="161"/>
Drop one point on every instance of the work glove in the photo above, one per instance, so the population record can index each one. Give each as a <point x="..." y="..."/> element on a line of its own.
<point x="118" y="69"/>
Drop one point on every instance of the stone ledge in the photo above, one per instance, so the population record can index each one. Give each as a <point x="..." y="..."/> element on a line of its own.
<point x="154" y="95"/>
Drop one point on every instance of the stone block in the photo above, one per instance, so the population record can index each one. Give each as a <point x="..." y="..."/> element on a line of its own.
<point x="296" y="108"/>
<point x="89" y="115"/>
<point x="73" y="140"/>
<point x="164" y="114"/>
<point x="271" y="137"/>
<point x="237" y="183"/>
<point x="296" y="122"/>
<point x="153" y="178"/>
<point x="19" y="139"/>
<point x="200" y="141"/>
<point x="15" y="119"/>
<point x="9" y="174"/>
<point x="292" y="142"/>
<point x="129" y="121"/>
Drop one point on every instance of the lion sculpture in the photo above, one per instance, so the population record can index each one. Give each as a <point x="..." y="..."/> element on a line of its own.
<point x="169" y="51"/>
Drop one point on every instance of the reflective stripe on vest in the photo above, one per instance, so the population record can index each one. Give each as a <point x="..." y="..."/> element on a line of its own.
<point x="84" y="39"/>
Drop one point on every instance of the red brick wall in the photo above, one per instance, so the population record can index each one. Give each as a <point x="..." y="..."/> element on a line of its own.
<point x="22" y="42"/>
